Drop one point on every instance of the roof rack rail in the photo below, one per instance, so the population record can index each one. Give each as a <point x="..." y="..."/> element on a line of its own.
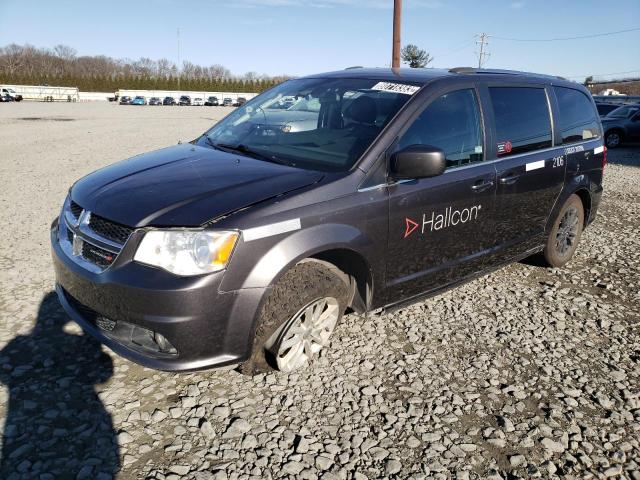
<point x="498" y="71"/>
<point x="354" y="67"/>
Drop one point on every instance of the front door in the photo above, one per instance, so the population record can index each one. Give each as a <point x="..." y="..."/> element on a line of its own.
<point x="441" y="227"/>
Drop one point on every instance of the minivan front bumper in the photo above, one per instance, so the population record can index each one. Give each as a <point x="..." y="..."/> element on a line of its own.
<point x="126" y="305"/>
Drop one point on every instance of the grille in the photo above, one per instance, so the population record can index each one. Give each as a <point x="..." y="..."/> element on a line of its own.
<point x="111" y="230"/>
<point x="69" y="235"/>
<point x="102" y="258"/>
<point x="76" y="209"/>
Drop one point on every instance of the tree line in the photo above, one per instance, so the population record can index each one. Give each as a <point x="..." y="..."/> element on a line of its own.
<point x="61" y="66"/>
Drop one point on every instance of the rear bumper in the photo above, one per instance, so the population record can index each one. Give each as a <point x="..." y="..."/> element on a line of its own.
<point x="208" y="328"/>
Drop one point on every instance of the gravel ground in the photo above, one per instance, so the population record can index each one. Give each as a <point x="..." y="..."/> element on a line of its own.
<point x="528" y="372"/>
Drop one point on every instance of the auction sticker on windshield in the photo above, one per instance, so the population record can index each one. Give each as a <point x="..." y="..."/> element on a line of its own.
<point x="395" y="88"/>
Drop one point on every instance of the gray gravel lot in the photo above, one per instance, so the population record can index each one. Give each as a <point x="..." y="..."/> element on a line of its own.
<point x="528" y="372"/>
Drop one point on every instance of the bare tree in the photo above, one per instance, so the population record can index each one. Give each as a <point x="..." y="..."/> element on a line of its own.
<point x="11" y="58"/>
<point x="65" y="52"/>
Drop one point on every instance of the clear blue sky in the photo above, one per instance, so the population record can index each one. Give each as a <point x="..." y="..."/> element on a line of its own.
<point x="299" y="37"/>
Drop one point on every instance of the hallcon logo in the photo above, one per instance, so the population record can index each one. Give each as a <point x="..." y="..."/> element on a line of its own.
<point x="449" y="218"/>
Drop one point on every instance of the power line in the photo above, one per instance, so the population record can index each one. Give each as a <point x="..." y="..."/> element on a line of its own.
<point x="604" y="74"/>
<point x="557" y="39"/>
<point x="482" y="54"/>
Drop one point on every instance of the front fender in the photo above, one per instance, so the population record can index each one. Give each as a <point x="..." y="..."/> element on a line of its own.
<point x="295" y="247"/>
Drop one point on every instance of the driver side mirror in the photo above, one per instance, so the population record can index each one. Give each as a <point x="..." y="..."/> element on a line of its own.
<point x="418" y="161"/>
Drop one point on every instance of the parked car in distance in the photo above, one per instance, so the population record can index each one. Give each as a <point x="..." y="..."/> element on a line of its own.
<point x="212" y="102"/>
<point x="184" y="100"/>
<point x="139" y="100"/>
<point x="227" y="102"/>
<point x="11" y="93"/>
<point x="6" y="98"/>
<point x="197" y="102"/>
<point x="125" y="100"/>
<point x="605" y="108"/>
<point x="169" y="101"/>
<point x="155" y="101"/>
<point x="246" y="245"/>
<point x="241" y="101"/>
<point x="622" y="125"/>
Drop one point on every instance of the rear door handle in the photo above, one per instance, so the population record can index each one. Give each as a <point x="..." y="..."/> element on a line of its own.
<point x="509" y="179"/>
<point x="482" y="185"/>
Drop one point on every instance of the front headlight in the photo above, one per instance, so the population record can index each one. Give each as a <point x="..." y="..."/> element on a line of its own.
<point x="186" y="252"/>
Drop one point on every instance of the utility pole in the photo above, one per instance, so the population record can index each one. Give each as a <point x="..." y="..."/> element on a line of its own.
<point x="179" y="73"/>
<point x="397" y="17"/>
<point x="482" y="54"/>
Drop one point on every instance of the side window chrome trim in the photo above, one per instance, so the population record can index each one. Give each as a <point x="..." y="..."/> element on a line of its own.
<point x="543" y="150"/>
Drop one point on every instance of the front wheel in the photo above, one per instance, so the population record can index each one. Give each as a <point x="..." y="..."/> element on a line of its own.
<point x="565" y="233"/>
<point x="297" y="319"/>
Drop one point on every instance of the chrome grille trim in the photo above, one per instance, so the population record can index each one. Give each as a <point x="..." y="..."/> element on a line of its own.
<point x="78" y="229"/>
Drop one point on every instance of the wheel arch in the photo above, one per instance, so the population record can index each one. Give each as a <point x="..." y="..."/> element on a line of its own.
<point x="616" y="129"/>
<point x="338" y="246"/>
<point x="356" y="270"/>
<point x="585" y="196"/>
<point x="579" y="188"/>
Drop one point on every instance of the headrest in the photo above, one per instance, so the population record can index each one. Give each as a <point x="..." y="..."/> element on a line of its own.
<point x="363" y="110"/>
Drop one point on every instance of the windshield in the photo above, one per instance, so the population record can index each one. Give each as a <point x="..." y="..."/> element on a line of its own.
<point x="623" y="112"/>
<point x="314" y="123"/>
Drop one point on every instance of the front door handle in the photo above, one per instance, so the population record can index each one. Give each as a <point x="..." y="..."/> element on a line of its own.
<point x="482" y="185"/>
<point x="509" y="179"/>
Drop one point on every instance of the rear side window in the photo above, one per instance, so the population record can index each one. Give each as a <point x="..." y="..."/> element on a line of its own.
<point x="578" y="119"/>
<point x="451" y="123"/>
<point x="522" y="119"/>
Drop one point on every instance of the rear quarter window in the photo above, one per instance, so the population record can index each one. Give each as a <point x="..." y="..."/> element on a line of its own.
<point x="522" y="119"/>
<point x="578" y="119"/>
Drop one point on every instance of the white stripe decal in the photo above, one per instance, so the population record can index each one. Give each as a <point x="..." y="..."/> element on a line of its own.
<point x="598" y="150"/>
<point x="535" y="165"/>
<point x="270" y="230"/>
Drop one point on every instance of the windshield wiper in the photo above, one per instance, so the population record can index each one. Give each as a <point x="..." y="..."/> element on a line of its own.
<point x="247" y="151"/>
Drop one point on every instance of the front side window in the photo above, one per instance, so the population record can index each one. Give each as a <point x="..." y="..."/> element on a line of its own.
<point x="315" y="123"/>
<point x="451" y="123"/>
<point x="522" y="119"/>
<point x="577" y="120"/>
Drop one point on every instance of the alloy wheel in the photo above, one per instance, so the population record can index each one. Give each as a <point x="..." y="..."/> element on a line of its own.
<point x="567" y="231"/>
<point x="305" y="334"/>
<point x="613" y="140"/>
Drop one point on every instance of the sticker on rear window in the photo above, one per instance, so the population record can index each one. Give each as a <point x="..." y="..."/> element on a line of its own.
<point x="395" y="88"/>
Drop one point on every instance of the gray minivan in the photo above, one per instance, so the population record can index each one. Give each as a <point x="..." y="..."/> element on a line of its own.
<point x="248" y="244"/>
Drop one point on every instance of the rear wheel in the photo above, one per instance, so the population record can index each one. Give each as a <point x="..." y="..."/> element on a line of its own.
<point x="297" y="319"/>
<point x="565" y="233"/>
<point x="613" y="139"/>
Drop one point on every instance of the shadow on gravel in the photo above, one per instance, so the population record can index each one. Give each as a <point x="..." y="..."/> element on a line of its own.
<point x="56" y="423"/>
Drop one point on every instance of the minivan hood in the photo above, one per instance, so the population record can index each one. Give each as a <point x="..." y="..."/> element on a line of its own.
<point x="184" y="185"/>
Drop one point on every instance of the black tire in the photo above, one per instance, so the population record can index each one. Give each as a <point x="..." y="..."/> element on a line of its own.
<point x="565" y="233"/>
<point x="613" y="138"/>
<point x="303" y="284"/>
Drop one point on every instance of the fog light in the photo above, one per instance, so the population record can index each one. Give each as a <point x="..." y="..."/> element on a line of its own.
<point x="164" y="345"/>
